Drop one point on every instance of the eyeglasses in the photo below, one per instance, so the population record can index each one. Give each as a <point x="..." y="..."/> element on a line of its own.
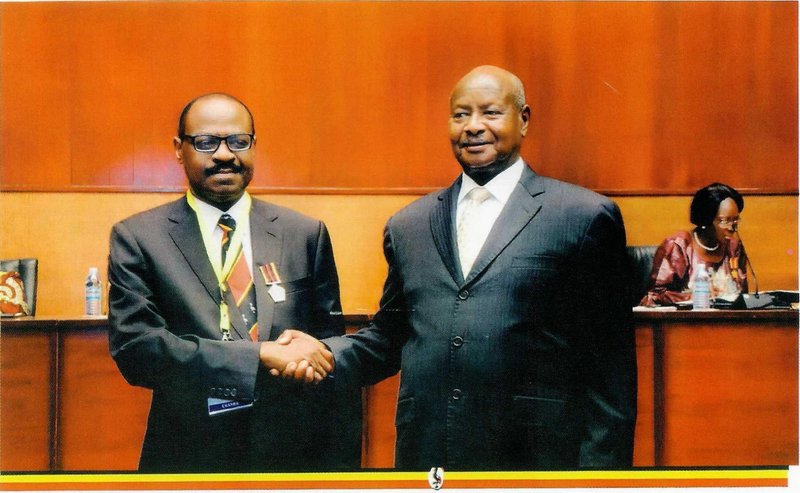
<point x="728" y="222"/>
<point x="210" y="143"/>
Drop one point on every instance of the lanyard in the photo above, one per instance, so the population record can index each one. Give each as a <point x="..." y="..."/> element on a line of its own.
<point x="222" y="271"/>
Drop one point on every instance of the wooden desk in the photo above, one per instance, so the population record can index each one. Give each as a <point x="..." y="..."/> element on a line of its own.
<point x="64" y="406"/>
<point x="724" y="387"/>
<point x="715" y="388"/>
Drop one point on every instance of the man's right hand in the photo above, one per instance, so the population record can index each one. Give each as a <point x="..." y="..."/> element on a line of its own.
<point x="298" y="356"/>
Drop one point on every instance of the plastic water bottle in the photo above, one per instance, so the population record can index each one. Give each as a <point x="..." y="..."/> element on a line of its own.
<point x="93" y="293"/>
<point x="701" y="292"/>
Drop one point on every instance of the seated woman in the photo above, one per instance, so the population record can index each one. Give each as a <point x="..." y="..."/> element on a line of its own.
<point x="714" y="242"/>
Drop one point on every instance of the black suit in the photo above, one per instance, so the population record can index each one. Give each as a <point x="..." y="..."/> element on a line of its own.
<point x="529" y="363"/>
<point x="164" y="317"/>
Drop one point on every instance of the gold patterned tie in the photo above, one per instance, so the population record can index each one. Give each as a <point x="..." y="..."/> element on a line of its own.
<point x="468" y="235"/>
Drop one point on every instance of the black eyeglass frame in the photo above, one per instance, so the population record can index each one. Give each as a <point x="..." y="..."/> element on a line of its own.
<point x="219" y="139"/>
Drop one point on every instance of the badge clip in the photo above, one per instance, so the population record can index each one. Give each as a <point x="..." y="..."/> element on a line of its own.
<point x="224" y="317"/>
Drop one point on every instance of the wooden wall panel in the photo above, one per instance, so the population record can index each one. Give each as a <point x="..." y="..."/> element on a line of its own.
<point x="25" y="400"/>
<point x="752" y="408"/>
<point x="715" y="389"/>
<point x="644" y="450"/>
<point x="69" y="233"/>
<point x="768" y="230"/>
<point x="381" y="405"/>
<point x="626" y="96"/>
<point x="102" y="418"/>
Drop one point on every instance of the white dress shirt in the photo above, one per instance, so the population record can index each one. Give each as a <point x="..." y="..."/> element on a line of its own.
<point x="208" y="218"/>
<point x="500" y="188"/>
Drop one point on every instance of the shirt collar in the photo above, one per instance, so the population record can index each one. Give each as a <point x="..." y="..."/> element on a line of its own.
<point x="501" y="186"/>
<point x="209" y="215"/>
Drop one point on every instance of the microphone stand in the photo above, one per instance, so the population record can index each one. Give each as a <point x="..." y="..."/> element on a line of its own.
<point x="754" y="301"/>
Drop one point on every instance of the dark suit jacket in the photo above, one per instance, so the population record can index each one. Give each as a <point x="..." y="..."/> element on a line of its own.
<point x="164" y="335"/>
<point x="529" y="363"/>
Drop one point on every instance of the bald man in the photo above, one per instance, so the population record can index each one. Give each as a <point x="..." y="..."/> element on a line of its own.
<point x="199" y="290"/>
<point x="504" y="308"/>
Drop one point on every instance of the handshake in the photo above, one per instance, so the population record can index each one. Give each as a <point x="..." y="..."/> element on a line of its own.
<point x="297" y="356"/>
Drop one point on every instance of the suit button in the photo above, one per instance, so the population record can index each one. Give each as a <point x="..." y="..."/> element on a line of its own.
<point x="233" y="392"/>
<point x="456" y="394"/>
<point x="462" y="295"/>
<point x="458" y="341"/>
<point x="227" y="392"/>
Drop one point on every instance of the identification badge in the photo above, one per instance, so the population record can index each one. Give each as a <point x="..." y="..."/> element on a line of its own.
<point x="219" y="406"/>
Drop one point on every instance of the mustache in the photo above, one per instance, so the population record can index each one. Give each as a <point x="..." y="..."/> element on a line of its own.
<point x="220" y="167"/>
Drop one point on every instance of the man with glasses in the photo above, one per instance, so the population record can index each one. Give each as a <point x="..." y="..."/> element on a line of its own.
<point x="199" y="289"/>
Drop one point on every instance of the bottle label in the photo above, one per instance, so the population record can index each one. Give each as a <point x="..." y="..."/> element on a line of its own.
<point x="93" y="300"/>
<point x="701" y="296"/>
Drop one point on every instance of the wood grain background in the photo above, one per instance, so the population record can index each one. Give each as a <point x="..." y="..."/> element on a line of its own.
<point x="645" y="101"/>
<point x="352" y="97"/>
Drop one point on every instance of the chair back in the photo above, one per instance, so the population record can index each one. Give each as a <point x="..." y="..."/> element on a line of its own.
<point x="28" y="269"/>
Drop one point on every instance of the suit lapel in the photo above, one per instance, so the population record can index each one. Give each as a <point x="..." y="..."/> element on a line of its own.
<point x="443" y="229"/>
<point x="523" y="204"/>
<point x="185" y="233"/>
<point x="266" y="236"/>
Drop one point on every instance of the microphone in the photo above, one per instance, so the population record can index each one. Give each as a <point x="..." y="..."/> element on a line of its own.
<point x="749" y="262"/>
<point x="756" y="300"/>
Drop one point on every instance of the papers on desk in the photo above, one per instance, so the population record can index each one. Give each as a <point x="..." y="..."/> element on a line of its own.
<point x="655" y="308"/>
